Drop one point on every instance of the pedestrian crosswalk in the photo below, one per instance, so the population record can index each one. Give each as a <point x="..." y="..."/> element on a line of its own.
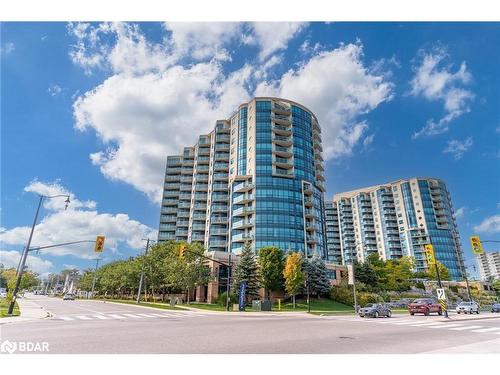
<point x="172" y="315"/>
<point x="404" y="321"/>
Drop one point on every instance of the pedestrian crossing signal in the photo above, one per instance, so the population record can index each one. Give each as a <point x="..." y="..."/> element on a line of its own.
<point x="99" y="244"/>
<point x="429" y="255"/>
<point x="182" y="251"/>
<point x="477" y="247"/>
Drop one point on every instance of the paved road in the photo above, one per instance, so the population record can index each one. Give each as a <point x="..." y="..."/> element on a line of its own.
<point x="98" y="327"/>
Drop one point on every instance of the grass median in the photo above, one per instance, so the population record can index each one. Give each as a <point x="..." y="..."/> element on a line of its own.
<point x="4" y="307"/>
<point x="157" y="305"/>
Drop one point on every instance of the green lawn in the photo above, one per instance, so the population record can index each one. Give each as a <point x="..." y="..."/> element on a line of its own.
<point x="317" y="306"/>
<point x="205" y="306"/>
<point x="4" y="307"/>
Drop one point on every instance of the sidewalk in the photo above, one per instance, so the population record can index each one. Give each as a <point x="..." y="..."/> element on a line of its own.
<point x="29" y="311"/>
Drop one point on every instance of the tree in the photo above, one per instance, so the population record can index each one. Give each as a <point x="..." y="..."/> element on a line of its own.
<point x="246" y="271"/>
<point x="365" y="273"/>
<point x="195" y="271"/>
<point x="317" y="276"/>
<point x="443" y="271"/>
<point x="294" y="276"/>
<point x="271" y="264"/>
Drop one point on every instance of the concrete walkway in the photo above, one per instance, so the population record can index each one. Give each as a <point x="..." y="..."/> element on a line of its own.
<point x="29" y="311"/>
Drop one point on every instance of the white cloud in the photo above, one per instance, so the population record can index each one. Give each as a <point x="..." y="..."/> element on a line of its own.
<point x="80" y="222"/>
<point x="146" y="112"/>
<point x="7" y="48"/>
<point x="367" y="142"/>
<point x="433" y="83"/>
<point x="458" y="148"/>
<point x="459" y="213"/>
<point x="490" y="225"/>
<point x="338" y="88"/>
<point x="274" y="36"/>
<point x="10" y="259"/>
<point x="54" y="90"/>
<point x="203" y="40"/>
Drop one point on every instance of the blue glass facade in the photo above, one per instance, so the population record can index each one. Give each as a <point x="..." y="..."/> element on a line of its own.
<point x="440" y="230"/>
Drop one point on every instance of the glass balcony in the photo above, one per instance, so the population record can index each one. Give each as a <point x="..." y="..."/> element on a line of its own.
<point x="245" y="198"/>
<point x="242" y="187"/>
<point x="242" y="224"/>
<point x="244" y="211"/>
<point x="242" y="237"/>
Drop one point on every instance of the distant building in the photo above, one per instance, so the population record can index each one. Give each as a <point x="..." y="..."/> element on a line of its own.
<point x="489" y="265"/>
<point x="395" y="219"/>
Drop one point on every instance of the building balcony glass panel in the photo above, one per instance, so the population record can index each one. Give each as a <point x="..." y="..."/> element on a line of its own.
<point x="245" y="198"/>
<point x="244" y="186"/>
<point x="218" y="220"/>
<point x="242" y="237"/>
<point x="242" y="224"/>
<point x="244" y="211"/>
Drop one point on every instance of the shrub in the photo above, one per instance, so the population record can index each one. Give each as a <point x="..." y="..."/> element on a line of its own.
<point x="342" y="293"/>
<point x="221" y="299"/>
<point x="366" y="298"/>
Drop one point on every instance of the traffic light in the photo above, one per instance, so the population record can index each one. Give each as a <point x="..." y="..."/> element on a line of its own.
<point x="182" y="251"/>
<point x="99" y="244"/>
<point x="429" y="255"/>
<point x="477" y="247"/>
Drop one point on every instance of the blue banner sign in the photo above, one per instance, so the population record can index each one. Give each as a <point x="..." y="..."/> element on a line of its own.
<point x="243" y="287"/>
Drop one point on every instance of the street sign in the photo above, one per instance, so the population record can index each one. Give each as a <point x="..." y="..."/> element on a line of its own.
<point x="441" y="294"/>
<point x="243" y="287"/>
<point x="99" y="244"/>
<point x="350" y="274"/>
<point x="429" y="255"/>
<point x="477" y="247"/>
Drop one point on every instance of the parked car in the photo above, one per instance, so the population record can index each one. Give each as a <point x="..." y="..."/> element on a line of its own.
<point x="375" y="310"/>
<point x="495" y="307"/>
<point x="467" y="308"/>
<point x="69" y="297"/>
<point x="424" y="306"/>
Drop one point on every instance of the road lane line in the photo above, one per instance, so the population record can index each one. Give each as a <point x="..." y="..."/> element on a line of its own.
<point x="465" y="327"/>
<point x="116" y="316"/>
<point x="404" y="323"/>
<point x="133" y="316"/>
<point x="160" y="315"/>
<point x="487" y="330"/>
<point x="83" y="317"/>
<point x="65" y="318"/>
<point x="102" y="317"/>
<point x="147" y="315"/>
<point x="425" y="324"/>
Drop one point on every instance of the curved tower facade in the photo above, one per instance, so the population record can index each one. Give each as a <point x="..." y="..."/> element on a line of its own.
<point x="276" y="177"/>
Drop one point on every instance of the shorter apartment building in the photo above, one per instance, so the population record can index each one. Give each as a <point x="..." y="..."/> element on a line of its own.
<point x="393" y="220"/>
<point x="489" y="265"/>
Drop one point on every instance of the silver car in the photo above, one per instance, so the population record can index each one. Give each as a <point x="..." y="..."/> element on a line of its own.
<point x="375" y="310"/>
<point x="467" y="308"/>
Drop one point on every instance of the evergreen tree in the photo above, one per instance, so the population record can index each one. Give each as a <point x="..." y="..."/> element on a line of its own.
<point x="319" y="282"/>
<point x="271" y="264"/>
<point x="246" y="271"/>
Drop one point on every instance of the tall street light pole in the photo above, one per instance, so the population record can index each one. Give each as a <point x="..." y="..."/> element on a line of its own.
<point x="95" y="276"/>
<point x="141" y="280"/>
<point x="27" y="248"/>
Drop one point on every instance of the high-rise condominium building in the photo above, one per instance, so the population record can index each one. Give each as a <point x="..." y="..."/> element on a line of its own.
<point x="489" y="265"/>
<point x="257" y="177"/>
<point x="394" y="220"/>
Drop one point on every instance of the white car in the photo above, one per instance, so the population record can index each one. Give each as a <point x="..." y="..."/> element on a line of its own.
<point x="467" y="308"/>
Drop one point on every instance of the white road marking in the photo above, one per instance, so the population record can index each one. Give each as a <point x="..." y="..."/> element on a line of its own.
<point x="102" y="317"/>
<point x="65" y="318"/>
<point x="147" y="315"/>
<point x="83" y="317"/>
<point x="488" y="330"/>
<point x="466" y="327"/>
<point x="133" y="316"/>
<point x="116" y="316"/>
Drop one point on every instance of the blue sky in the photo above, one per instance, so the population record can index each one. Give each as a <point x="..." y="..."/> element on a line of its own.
<point x="93" y="110"/>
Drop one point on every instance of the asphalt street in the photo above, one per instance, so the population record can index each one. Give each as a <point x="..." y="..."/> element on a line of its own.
<point x="84" y="326"/>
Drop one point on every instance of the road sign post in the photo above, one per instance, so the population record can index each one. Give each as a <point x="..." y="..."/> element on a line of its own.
<point x="352" y="281"/>
<point x="431" y="260"/>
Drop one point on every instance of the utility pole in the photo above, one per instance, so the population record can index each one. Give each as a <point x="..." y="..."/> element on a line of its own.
<point x="228" y="288"/>
<point x="142" y="273"/>
<point x="95" y="276"/>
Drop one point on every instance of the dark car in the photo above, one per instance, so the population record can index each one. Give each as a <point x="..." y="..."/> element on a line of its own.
<point x="495" y="307"/>
<point x="375" y="310"/>
<point x="424" y="306"/>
